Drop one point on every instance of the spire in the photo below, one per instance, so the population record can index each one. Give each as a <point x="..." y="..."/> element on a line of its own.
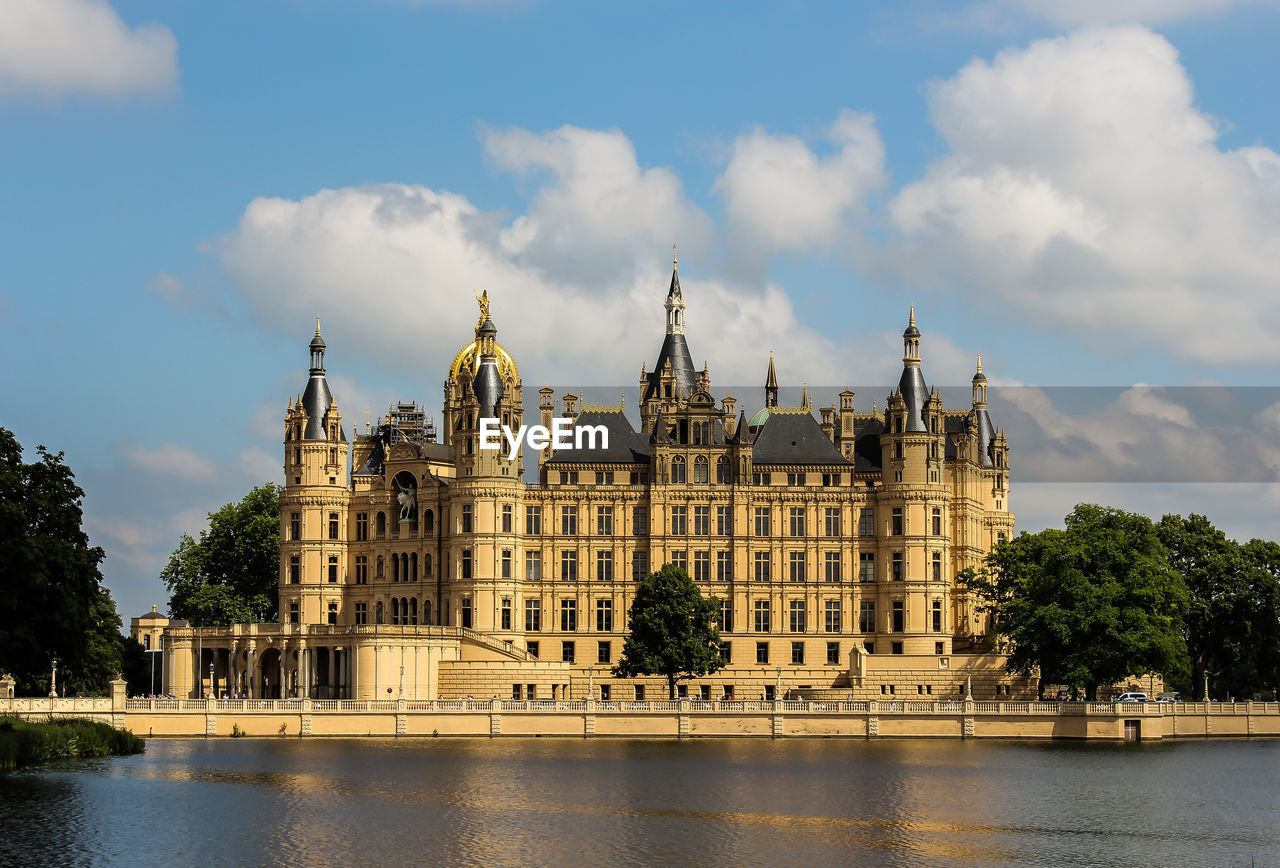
<point x="979" y="386"/>
<point x="316" y="399"/>
<point x="675" y="299"/>
<point x="804" y="398"/>
<point x="488" y="383"/>
<point x="317" y="350"/>
<point x="771" y="385"/>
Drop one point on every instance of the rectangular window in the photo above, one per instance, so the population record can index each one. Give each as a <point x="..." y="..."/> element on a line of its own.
<point x="533" y="649"/>
<point x="569" y="520"/>
<point x="362" y="569"/>
<point x="937" y="648"/>
<point x="702" y="521"/>
<point x="533" y="566"/>
<point x="762" y="521"/>
<point x="724" y="524"/>
<point x="867" y="566"/>
<point x="604" y="616"/>
<point x="761" y="566"/>
<point x="506" y="613"/>
<point x="604" y="520"/>
<point x="680" y="560"/>
<point x="466" y="563"/>
<point x="639" y="565"/>
<point x="831" y="616"/>
<point x="362" y="613"/>
<point x="293" y="613"/>
<point x="899" y="616"/>
<point x="332" y="614"/>
<point x="896" y="520"/>
<point x="333" y="569"/>
<point x="937" y="566"/>
<point x="604" y="655"/>
<point x="506" y="563"/>
<point x="566" y="652"/>
<point x="937" y="616"/>
<point x="507" y="510"/>
<point x="639" y="477"/>
<point x="725" y="621"/>
<point x="532" y="616"/>
<point x="833" y="653"/>
<point x="726" y="656"/>
<point x="795" y="566"/>
<point x="295" y="569"/>
<point x="937" y="521"/>
<point x="568" y="616"/>
<point x="295" y="525"/>
<point x="797" y="653"/>
<point x="604" y="566"/>
<point x="702" y="566"/>
<point x="831" y="566"/>
<point x="797" y="520"/>
<point x="640" y="520"/>
<point x="831" y="520"/>
<point x="639" y="693"/>
<point x="569" y="566"/>
<point x="762" y="616"/>
<point x="362" y="525"/>
<point x="895" y="648"/>
<point x="467" y="523"/>
<point x="794" y="479"/>
<point x="533" y="520"/>
<point x="797" y="619"/>
<point x="867" y="616"/>
<point x="679" y="520"/>
<point x="724" y="566"/>
<point x="333" y="525"/>
<point x="466" y="612"/>
<point x="762" y="654"/>
<point x="867" y="522"/>
<point x="897" y="573"/>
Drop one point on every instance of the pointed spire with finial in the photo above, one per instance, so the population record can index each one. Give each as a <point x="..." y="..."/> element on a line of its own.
<point x="675" y="299"/>
<point x="771" y="384"/>
<point x="804" y="398"/>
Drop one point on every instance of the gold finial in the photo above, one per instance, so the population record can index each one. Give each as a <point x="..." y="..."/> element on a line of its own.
<point x="804" y="397"/>
<point x="913" y="316"/>
<point x="483" y="298"/>
<point x="674" y="259"/>
<point x="979" y="363"/>
<point x="317" y="325"/>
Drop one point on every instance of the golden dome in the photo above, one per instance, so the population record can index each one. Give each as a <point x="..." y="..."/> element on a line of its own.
<point x="469" y="356"/>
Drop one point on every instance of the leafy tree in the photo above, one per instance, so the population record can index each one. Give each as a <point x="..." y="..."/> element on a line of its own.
<point x="231" y="574"/>
<point x="54" y="604"/>
<point x="1091" y="604"/>
<point x="673" y="631"/>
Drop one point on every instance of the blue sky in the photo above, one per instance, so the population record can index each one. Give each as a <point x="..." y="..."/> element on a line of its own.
<point x="1087" y="193"/>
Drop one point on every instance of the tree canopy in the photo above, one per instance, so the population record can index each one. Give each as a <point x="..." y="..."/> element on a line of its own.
<point x="1091" y="604"/>
<point x="53" y="604"/>
<point x="231" y="574"/>
<point x="673" y="631"/>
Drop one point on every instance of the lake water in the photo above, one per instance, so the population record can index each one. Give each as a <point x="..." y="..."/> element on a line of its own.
<point x="598" y="802"/>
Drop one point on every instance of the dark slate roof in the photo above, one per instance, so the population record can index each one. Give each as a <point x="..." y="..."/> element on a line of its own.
<point x="866" y="445"/>
<point x="675" y="348"/>
<point x="316" y="400"/>
<point x="373" y="464"/>
<point x="674" y="290"/>
<point x="916" y="394"/>
<point x="794" y="438"/>
<point x="488" y="387"/>
<point x="625" y="445"/>
<point x="986" y="433"/>
<point x="953" y="424"/>
<point x="153" y="615"/>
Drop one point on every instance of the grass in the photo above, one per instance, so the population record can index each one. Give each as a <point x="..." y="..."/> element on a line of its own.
<point x="25" y="743"/>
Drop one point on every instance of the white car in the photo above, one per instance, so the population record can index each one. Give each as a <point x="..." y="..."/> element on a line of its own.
<point x="1131" y="697"/>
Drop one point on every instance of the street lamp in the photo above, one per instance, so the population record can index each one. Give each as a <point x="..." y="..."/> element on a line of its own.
<point x="53" y="679"/>
<point x="211" y="693"/>
<point x="777" y="691"/>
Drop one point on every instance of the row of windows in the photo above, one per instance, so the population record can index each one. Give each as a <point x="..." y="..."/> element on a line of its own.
<point x="699" y="518"/>
<point x="604" y="656"/>
<point x="797" y="566"/>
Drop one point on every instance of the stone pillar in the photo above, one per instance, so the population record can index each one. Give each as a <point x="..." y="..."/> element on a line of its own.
<point x="333" y="672"/>
<point x="251" y="677"/>
<point x="7" y="685"/>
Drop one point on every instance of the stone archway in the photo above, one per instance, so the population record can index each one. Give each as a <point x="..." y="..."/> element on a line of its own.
<point x="267" y="678"/>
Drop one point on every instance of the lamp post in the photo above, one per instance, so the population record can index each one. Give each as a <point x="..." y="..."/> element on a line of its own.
<point x="211" y="693"/>
<point x="591" y="683"/>
<point x="777" y="690"/>
<point x="53" y="679"/>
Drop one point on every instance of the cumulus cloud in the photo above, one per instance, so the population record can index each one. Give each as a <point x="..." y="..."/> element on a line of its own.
<point x="52" y="48"/>
<point x="577" y="282"/>
<point x="169" y="459"/>
<point x="780" y="194"/>
<point x="1083" y="189"/>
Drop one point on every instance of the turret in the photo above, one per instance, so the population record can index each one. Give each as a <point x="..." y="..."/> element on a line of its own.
<point x="911" y="386"/>
<point x="979" y="417"/>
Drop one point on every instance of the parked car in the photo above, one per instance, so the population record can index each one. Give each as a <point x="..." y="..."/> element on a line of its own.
<point x="1130" y="697"/>
<point x="1168" y="697"/>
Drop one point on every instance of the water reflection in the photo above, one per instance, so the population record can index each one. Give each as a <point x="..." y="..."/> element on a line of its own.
<point x="562" y="801"/>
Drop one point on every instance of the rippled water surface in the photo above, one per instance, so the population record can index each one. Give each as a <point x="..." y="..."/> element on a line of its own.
<point x="572" y="802"/>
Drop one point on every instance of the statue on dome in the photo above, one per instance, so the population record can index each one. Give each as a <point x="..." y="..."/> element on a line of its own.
<point x="483" y="298"/>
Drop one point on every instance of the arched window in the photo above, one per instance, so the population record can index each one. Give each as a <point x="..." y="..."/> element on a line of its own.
<point x="413" y="567"/>
<point x="700" y="469"/>
<point x="377" y="610"/>
<point x="395" y="611"/>
<point x="428" y="521"/>
<point x="426" y="565"/>
<point x="382" y="525"/>
<point x="395" y="569"/>
<point x="413" y="610"/>
<point x="426" y="612"/>
<point x="677" y="470"/>
<point x="381" y="568"/>
<point x="722" y="470"/>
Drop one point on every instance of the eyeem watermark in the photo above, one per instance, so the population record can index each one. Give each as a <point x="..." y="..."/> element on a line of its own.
<point x="562" y="435"/>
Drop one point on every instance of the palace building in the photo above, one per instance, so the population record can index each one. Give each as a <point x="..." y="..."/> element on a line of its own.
<point x="415" y="564"/>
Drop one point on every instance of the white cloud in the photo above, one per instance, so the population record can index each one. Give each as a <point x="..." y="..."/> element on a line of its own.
<point x="577" y="282"/>
<point x="1084" y="190"/>
<point x="58" y="47"/>
<point x="1074" y="12"/>
<point x="781" y="195"/>
<point x="258" y="464"/>
<point x="170" y="459"/>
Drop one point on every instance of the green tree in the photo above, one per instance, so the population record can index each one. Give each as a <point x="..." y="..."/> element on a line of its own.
<point x="673" y="630"/>
<point x="54" y="604"/>
<point x="1091" y="604"/>
<point x="231" y="574"/>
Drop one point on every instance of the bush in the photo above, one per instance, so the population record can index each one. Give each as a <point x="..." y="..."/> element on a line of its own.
<point x="23" y="743"/>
